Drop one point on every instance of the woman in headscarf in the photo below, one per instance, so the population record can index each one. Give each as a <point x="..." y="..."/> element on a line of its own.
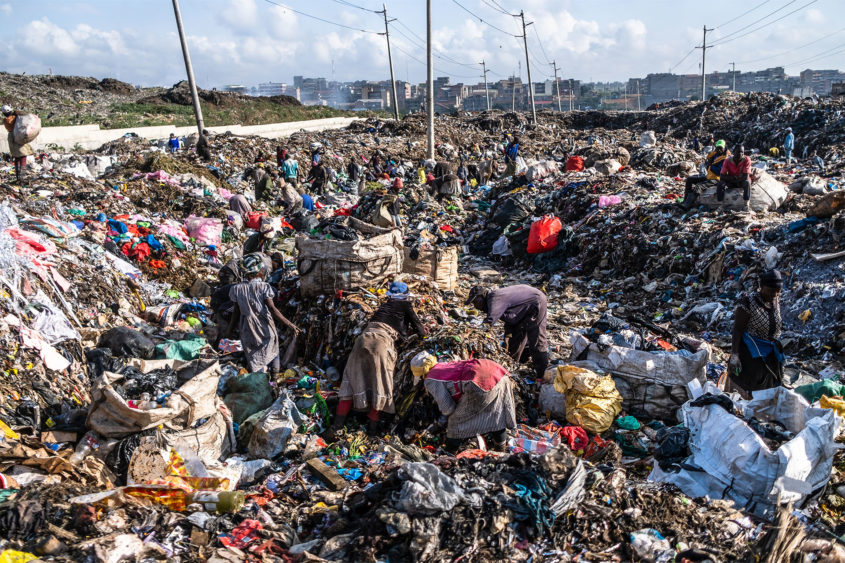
<point x="475" y="395"/>
<point x="368" y="377"/>
<point x="756" y="360"/>
<point x="255" y="311"/>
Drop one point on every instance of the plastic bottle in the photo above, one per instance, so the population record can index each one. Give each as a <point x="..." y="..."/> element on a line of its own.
<point x="87" y="444"/>
<point x="219" y="501"/>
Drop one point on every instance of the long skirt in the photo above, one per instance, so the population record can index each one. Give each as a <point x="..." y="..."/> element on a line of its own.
<point x="368" y="376"/>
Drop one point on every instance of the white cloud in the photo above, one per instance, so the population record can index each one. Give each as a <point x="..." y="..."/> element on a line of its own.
<point x="6" y="8"/>
<point x="240" y="15"/>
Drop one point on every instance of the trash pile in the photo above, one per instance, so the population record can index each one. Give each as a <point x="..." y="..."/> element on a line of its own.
<point x="132" y="428"/>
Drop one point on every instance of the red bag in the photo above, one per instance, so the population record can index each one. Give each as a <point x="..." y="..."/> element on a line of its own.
<point x="253" y="220"/>
<point x="543" y="234"/>
<point x="574" y="164"/>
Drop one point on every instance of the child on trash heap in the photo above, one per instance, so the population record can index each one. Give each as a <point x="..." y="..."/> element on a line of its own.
<point x="255" y="311"/>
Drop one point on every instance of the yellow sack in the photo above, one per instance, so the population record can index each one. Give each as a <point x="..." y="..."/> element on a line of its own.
<point x="835" y="403"/>
<point x="592" y="401"/>
<point x="421" y="174"/>
<point x="12" y="556"/>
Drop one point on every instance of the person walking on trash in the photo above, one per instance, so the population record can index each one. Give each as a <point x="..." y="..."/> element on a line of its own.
<point x="255" y="312"/>
<point x="736" y="173"/>
<point x="789" y="145"/>
<point x="475" y="395"/>
<point x="173" y="143"/>
<point x="368" y="377"/>
<point x="713" y="165"/>
<point x="756" y="360"/>
<point x="522" y="309"/>
<point x="18" y="152"/>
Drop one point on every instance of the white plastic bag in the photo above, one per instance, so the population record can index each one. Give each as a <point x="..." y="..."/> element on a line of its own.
<point x="27" y="128"/>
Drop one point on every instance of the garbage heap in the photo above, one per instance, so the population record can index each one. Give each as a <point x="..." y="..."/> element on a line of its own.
<point x="132" y="430"/>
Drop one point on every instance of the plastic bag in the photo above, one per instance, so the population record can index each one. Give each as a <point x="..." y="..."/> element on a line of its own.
<point x="205" y="230"/>
<point x="271" y="433"/>
<point x="427" y="490"/>
<point x="127" y="342"/>
<point x="575" y="164"/>
<point x="543" y="234"/>
<point x="27" y="128"/>
<point x="248" y="394"/>
<point x="592" y="400"/>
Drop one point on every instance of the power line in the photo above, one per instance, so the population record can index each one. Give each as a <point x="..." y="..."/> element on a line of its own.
<point x="677" y="64"/>
<point x="321" y="19"/>
<point x="722" y="42"/>
<point x="743" y="14"/>
<point x="479" y="18"/>
<point x="823" y="55"/>
<point x="410" y="56"/>
<point x="755" y="22"/>
<point x="541" y="46"/>
<point x="438" y="54"/>
<point x="497" y="7"/>
<point x="351" y="5"/>
<point x="793" y="49"/>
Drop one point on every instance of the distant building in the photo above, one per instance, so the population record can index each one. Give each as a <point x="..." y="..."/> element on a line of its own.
<point x="837" y="89"/>
<point x="272" y="89"/>
<point x="236" y="88"/>
<point x="821" y="81"/>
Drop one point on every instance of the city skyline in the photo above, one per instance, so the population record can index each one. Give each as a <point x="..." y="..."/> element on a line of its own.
<point x="255" y="41"/>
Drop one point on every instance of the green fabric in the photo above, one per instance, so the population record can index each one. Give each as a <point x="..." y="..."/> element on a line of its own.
<point x="628" y="423"/>
<point x="248" y="394"/>
<point x="188" y="349"/>
<point x="814" y="391"/>
<point x="177" y="243"/>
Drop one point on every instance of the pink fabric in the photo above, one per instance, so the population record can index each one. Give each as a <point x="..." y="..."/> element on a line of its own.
<point x="731" y="168"/>
<point x="484" y="373"/>
<point x="30" y="244"/>
<point x="608" y="200"/>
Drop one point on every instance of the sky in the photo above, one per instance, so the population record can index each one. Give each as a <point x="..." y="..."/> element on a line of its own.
<point x="252" y="41"/>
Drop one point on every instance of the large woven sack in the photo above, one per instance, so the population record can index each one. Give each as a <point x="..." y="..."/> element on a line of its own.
<point x="111" y="416"/>
<point x="328" y="266"/>
<point x="440" y="265"/>
<point x="767" y="194"/>
<point x="27" y="128"/>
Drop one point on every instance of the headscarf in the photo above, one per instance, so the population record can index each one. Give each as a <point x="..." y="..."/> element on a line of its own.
<point x="475" y="292"/>
<point x="252" y="265"/>
<point x="422" y="363"/>
<point x="771" y="278"/>
<point x="398" y="290"/>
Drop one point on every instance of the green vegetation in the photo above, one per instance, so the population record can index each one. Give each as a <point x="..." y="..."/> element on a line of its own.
<point x="255" y="111"/>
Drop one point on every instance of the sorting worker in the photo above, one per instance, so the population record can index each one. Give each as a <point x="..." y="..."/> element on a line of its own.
<point x="240" y="205"/>
<point x="511" y="154"/>
<point x="818" y="161"/>
<point x="202" y="146"/>
<point x="255" y="312"/>
<point x="713" y="164"/>
<point x="476" y="396"/>
<point x="522" y="309"/>
<point x="290" y="169"/>
<point x="318" y="178"/>
<point x="756" y="360"/>
<point x="736" y="173"/>
<point x="19" y="152"/>
<point x="368" y="377"/>
<point x="789" y="145"/>
<point x="173" y="143"/>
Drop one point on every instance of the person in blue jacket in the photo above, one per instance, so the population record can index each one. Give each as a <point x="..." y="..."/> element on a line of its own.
<point x="789" y="145"/>
<point x="173" y="143"/>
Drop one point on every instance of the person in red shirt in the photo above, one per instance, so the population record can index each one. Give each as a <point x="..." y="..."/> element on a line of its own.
<point x="736" y="172"/>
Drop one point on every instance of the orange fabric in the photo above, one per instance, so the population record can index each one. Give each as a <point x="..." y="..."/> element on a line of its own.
<point x="9" y="122"/>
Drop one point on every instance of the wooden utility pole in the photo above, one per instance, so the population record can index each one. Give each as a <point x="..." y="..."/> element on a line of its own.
<point x="557" y="85"/>
<point x="190" y="69"/>
<point x="703" y="61"/>
<point x="430" y="90"/>
<point x="528" y="66"/>
<point x="638" y="96"/>
<point x="570" y="95"/>
<point x="390" y="60"/>
<point x="486" y="89"/>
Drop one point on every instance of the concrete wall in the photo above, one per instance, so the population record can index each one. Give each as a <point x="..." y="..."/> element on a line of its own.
<point x="92" y="137"/>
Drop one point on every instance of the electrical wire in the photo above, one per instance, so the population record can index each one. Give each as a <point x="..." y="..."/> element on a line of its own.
<point x="497" y="7"/>
<point x="742" y="14"/>
<point x="321" y="19"/>
<point x="823" y="55"/>
<point x="351" y="5"/>
<point x="479" y="18"/>
<point x="439" y="70"/>
<point x="677" y="64"/>
<point x="782" y="53"/>
<point x="541" y="45"/>
<point x="755" y="22"/>
<point x="798" y="9"/>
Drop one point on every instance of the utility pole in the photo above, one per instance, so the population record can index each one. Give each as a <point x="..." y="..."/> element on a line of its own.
<point x="430" y="90"/>
<point x="557" y="85"/>
<point x="513" y="93"/>
<point x="638" y="96"/>
<point x="390" y="60"/>
<point x="189" y="68"/>
<point x="733" y="76"/>
<point x="570" y="95"/>
<point x="486" y="89"/>
<point x="703" y="60"/>
<point x="528" y="67"/>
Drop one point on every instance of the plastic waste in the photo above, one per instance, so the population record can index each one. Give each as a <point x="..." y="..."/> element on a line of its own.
<point x="651" y="546"/>
<point x="88" y="444"/>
